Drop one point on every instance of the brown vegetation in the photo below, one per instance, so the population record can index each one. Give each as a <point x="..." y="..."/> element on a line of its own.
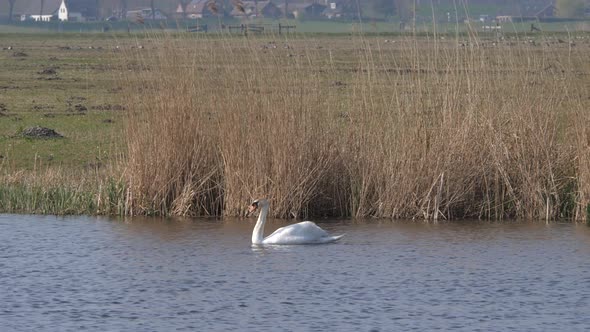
<point x="415" y="128"/>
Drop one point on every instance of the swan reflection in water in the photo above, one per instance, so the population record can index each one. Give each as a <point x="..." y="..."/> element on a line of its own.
<point x="305" y="232"/>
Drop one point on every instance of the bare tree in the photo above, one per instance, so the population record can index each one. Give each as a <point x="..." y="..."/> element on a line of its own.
<point x="10" y="11"/>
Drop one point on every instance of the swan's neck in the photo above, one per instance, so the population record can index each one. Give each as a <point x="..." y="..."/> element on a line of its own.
<point x="258" y="233"/>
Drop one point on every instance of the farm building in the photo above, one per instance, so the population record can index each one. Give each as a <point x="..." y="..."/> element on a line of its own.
<point x="304" y="10"/>
<point x="265" y="9"/>
<point x="196" y="9"/>
<point x="145" y="14"/>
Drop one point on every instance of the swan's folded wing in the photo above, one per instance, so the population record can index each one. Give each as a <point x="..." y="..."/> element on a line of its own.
<point x="302" y="229"/>
<point x="305" y="232"/>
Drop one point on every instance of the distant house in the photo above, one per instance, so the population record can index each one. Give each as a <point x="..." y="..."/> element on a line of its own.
<point x="548" y="11"/>
<point x="265" y="9"/>
<point x="340" y="9"/>
<point x="483" y="18"/>
<point x="504" y="18"/>
<point x="43" y="11"/>
<point x="180" y="10"/>
<point x="63" y="10"/>
<point x="313" y="10"/>
<point x="197" y="9"/>
<point x="305" y="10"/>
<point x="72" y="11"/>
<point x="530" y="14"/>
<point x="333" y="10"/>
<point x="144" y="14"/>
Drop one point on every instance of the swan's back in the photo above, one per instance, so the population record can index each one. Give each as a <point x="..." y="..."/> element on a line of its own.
<point x="305" y="232"/>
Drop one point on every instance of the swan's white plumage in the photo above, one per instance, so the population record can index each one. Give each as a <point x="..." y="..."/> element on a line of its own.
<point x="305" y="232"/>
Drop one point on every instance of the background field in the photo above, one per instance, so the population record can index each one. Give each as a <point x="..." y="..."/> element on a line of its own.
<point x="69" y="84"/>
<point x="307" y="26"/>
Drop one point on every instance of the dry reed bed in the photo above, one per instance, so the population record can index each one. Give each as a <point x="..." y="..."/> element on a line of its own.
<point x="412" y="129"/>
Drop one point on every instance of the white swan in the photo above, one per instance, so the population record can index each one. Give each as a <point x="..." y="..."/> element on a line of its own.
<point x="305" y="232"/>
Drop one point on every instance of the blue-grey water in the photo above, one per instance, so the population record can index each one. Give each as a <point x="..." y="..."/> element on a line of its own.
<point x="97" y="274"/>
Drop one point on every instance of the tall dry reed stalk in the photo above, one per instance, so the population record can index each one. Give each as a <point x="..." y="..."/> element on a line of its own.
<point x="415" y="128"/>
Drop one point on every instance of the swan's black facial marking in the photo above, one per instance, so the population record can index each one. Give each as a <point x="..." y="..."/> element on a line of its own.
<point x="253" y="207"/>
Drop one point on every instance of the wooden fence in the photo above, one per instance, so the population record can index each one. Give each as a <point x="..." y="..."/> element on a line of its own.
<point x="259" y="28"/>
<point x="197" y="28"/>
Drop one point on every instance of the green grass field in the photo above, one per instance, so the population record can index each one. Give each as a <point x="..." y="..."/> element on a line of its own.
<point x="67" y="83"/>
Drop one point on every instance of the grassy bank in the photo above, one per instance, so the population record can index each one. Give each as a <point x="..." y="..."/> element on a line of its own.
<point x="59" y="191"/>
<point x="67" y="83"/>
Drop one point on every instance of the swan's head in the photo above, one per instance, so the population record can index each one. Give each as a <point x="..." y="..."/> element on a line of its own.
<point x="259" y="203"/>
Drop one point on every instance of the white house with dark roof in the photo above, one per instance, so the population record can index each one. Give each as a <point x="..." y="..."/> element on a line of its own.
<point x="63" y="10"/>
<point x="43" y="11"/>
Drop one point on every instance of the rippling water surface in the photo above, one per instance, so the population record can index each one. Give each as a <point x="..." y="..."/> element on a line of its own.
<point x="96" y="274"/>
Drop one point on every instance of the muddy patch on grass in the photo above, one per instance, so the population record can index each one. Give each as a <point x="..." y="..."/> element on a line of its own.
<point x="48" y="71"/>
<point x="48" y="74"/>
<point x="42" y="107"/>
<point x="50" y="78"/>
<point x="80" y="108"/>
<point x="10" y="87"/>
<point x="75" y="105"/>
<point x="108" y="107"/>
<point x="3" y="110"/>
<point x="40" y="132"/>
<point x="75" y="99"/>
